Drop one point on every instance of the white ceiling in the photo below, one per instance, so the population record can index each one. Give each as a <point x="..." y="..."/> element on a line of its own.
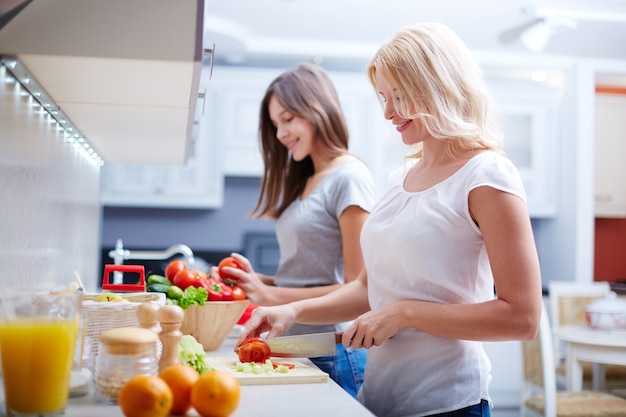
<point x="346" y="33"/>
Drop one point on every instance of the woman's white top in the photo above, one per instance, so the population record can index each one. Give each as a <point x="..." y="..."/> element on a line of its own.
<point x="424" y="245"/>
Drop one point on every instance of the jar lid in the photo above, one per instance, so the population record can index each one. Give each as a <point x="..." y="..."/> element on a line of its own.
<point x="128" y="340"/>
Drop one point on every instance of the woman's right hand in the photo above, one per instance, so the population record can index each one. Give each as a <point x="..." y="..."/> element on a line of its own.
<point x="274" y="320"/>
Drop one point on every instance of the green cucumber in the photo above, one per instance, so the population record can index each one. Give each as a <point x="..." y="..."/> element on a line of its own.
<point x="158" y="279"/>
<point x="159" y="288"/>
<point x="174" y="292"/>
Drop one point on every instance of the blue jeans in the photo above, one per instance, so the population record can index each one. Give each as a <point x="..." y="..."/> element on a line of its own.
<point x="478" y="410"/>
<point x="345" y="368"/>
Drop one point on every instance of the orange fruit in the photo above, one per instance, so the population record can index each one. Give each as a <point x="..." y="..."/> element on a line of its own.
<point x="215" y="394"/>
<point x="180" y="379"/>
<point x="145" y="396"/>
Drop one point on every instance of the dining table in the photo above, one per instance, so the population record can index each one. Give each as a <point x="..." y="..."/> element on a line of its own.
<point x="597" y="346"/>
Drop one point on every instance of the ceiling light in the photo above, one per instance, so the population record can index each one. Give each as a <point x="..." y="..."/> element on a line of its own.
<point x="10" y="67"/>
<point x="537" y="36"/>
<point x="575" y="14"/>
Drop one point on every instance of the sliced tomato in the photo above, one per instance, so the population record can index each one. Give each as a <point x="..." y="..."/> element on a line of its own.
<point x="253" y="350"/>
<point x="288" y="365"/>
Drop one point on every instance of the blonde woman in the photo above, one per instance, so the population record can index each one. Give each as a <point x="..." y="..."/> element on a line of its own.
<point x="451" y="228"/>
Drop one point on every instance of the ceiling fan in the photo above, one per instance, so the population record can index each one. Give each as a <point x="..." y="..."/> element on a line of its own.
<point x="536" y="33"/>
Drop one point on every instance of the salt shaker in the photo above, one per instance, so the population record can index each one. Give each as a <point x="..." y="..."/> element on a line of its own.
<point x="147" y="316"/>
<point x="170" y="317"/>
<point x="123" y="353"/>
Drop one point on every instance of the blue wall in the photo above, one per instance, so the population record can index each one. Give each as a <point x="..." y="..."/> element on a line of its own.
<point x="220" y="230"/>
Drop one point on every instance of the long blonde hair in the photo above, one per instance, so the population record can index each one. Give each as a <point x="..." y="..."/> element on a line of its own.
<point x="437" y="76"/>
<point x="305" y="91"/>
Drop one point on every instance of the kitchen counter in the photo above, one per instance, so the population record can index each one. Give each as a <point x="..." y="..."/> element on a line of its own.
<point x="286" y="400"/>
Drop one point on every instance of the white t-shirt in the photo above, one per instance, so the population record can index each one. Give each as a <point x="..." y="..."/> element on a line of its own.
<point x="424" y="245"/>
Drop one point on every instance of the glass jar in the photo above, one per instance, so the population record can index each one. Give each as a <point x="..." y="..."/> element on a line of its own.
<point x="123" y="353"/>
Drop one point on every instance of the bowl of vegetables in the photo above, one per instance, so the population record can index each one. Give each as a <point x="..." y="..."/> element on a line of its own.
<point x="212" y="306"/>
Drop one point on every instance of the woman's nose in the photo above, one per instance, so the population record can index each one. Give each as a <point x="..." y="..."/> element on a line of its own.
<point x="389" y="111"/>
<point x="280" y="133"/>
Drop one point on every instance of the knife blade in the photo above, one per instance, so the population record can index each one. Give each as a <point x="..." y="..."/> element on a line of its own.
<point x="304" y="345"/>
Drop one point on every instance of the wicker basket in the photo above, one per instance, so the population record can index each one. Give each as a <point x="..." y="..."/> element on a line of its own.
<point x="101" y="316"/>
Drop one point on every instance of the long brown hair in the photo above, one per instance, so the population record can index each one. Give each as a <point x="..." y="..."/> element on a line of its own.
<point x="306" y="91"/>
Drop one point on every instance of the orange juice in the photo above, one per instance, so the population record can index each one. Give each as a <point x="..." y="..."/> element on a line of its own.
<point x="37" y="358"/>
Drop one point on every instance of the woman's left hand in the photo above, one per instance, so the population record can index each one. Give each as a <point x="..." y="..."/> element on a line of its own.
<point x="374" y="327"/>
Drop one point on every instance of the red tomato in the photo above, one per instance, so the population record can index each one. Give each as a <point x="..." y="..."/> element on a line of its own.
<point x="238" y="293"/>
<point x="253" y="350"/>
<point x="184" y="278"/>
<point x="228" y="262"/>
<point x="173" y="268"/>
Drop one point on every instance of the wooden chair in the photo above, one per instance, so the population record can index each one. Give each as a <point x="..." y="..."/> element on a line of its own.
<point x="539" y="394"/>
<point x="567" y="306"/>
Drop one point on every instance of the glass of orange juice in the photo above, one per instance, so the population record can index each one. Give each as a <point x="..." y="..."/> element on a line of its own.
<point x="38" y="333"/>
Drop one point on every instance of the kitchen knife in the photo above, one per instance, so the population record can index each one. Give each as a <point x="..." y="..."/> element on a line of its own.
<point x="305" y="345"/>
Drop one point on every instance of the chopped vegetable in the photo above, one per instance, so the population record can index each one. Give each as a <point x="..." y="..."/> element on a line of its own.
<point x="192" y="353"/>
<point x="266" y="367"/>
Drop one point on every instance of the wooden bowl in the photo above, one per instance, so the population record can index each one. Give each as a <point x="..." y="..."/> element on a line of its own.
<point x="210" y="324"/>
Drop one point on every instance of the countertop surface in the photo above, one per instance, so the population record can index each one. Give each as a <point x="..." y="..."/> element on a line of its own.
<point x="284" y="400"/>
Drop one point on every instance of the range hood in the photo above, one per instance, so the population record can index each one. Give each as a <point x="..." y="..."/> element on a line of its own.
<point x="125" y="72"/>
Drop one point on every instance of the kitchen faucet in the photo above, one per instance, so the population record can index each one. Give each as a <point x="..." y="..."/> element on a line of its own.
<point x="119" y="254"/>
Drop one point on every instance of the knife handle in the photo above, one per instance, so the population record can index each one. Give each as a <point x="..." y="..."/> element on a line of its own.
<point x="338" y="336"/>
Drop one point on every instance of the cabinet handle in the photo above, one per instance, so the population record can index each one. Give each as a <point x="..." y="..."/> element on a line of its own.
<point x="210" y="54"/>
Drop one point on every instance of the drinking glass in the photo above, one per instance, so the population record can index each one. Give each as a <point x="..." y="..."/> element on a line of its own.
<point x="38" y="333"/>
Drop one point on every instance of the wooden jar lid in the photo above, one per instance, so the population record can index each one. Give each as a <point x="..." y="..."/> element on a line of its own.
<point x="128" y="340"/>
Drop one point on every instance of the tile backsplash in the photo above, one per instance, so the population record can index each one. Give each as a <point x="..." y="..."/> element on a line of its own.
<point x="50" y="212"/>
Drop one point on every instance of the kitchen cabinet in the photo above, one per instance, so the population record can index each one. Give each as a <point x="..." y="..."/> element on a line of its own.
<point x="197" y="184"/>
<point x="610" y="149"/>
<point x="126" y="73"/>
<point x="529" y="115"/>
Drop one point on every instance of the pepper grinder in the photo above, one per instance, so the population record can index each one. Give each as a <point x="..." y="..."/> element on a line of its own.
<point x="170" y="317"/>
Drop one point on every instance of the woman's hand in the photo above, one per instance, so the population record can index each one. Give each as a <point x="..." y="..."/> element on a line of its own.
<point x="374" y="327"/>
<point x="275" y="320"/>
<point x="256" y="291"/>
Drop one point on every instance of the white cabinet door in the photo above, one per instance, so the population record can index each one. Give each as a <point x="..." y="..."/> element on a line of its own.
<point x="610" y="155"/>
<point x="529" y="115"/>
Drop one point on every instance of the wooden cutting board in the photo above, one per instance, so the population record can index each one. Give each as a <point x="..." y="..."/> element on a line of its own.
<point x="300" y="374"/>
